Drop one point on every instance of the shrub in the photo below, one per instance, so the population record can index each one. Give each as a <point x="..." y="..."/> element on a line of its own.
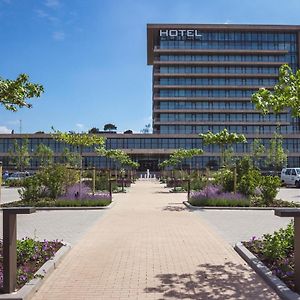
<point x="224" y="178"/>
<point x="49" y="182"/>
<point x="249" y="182"/>
<point x="269" y="188"/>
<point x="214" y="196"/>
<point x="14" y="182"/>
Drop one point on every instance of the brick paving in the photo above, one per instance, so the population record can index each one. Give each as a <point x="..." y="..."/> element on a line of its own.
<point x="149" y="246"/>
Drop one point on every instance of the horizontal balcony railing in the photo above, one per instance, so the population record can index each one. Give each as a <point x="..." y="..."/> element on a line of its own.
<point x="215" y="75"/>
<point x="210" y="111"/>
<point x="159" y="50"/>
<point x="158" y="98"/>
<point x="220" y="63"/>
<point x="259" y="123"/>
<point x="214" y="87"/>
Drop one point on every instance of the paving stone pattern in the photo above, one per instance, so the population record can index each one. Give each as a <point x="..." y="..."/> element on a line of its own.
<point x="149" y="246"/>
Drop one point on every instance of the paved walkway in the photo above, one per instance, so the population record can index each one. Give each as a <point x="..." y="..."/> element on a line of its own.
<point x="149" y="246"/>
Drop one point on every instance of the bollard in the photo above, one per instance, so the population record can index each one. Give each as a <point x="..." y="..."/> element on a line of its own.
<point x="94" y="180"/>
<point x="10" y="246"/>
<point x="295" y="213"/>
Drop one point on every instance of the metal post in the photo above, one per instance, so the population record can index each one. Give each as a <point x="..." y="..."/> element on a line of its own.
<point x="10" y="246"/>
<point x="189" y="188"/>
<point x="94" y="180"/>
<point x="234" y="179"/>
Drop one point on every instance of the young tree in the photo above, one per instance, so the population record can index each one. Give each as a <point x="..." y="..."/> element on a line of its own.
<point x="14" y="93"/>
<point x="146" y="129"/>
<point x="44" y="155"/>
<point x="110" y="127"/>
<point x="79" y="140"/>
<point x="285" y="94"/>
<point x="19" y="155"/>
<point x="276" y="155"/>
<point x="179" y="155"/>
<point x="223" y="139"/>
<point x="72" y="159"/>
<point x="258" y="151"/>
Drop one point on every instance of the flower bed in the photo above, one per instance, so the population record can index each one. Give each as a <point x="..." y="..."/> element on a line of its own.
<point x="276" y="251"/>
<point x="214" y="196"/>
<point x="31" y="255"/>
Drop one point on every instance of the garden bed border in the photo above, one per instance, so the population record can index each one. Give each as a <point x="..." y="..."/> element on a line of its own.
<point x="190" y="206"/>
<point x="273" y="281"/>
<point x="31" y="287"/>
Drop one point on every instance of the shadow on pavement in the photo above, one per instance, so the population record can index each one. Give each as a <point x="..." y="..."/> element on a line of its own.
<point x="228" y="281"/>
<point x="174" y="208"/>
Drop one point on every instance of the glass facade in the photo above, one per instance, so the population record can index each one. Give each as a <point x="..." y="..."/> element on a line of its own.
<point x="217" y="64"/>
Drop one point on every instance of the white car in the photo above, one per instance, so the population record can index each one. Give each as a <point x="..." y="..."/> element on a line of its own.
<point x="291" y="176"/>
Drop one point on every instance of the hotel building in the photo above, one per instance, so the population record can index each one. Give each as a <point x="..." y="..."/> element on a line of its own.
<point x="203" y="79"/>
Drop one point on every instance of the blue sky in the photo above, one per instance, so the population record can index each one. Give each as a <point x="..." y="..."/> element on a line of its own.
<point x="90" y="55"/>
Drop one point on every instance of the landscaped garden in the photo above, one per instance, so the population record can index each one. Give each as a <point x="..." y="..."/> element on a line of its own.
<point x="31" y="255"/>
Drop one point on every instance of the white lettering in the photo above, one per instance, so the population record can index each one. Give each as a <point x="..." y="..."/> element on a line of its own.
<point x="197" y="33"/>
<point x="163" y="33"/>
<point x="190" y="33"/>
<point x="181" y="31"/>
<point x="173" y="32"/>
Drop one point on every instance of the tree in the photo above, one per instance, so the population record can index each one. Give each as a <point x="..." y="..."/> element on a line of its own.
<point x="258" y="151"/>
<point x="286" y="94"/>
<point x="276" y="156"/>
<point x="118" y="155"/>
<point x="72" y="159"/>
<point x="79" y="140"/>
<point x="44" y="155"/>
<point x="14" y="93"/>
<point x="128" y="131"/>
<point x="20" y="155"/>
<point x="146" y="129"/>
<point x="179" y="155"/>
<point x="94" y="130"/>
<point x="223" y="139"/>
<point x="110" y="127"/>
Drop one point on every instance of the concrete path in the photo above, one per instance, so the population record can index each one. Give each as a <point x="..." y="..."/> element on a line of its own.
<point x="149" y="246"/>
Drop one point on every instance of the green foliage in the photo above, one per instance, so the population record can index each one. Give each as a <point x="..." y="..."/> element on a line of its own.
<point x="224" y="178"/>
<point x="285" y="95"/>
<point x="14" y="93"/>
<point x="223" y="139"/>
<point x="50" y="181"/>
<point x="249" y="182"/>
<point x="278" y="244"/>
<point x="14" y="183"/>
<point x="269" y="186"/>
<point x="44" y="155"/>
<point x="72" y="159"/>
<point x="179" y="155"/>
<point x="26" y="249"/>
<point x="258" y="151"/>
<point x="109" y="127"/>
<point x="276" y="156"/>
<point x="79" y="139"/>
<point x="19" y="155"/>
<point x="118" y="155"/>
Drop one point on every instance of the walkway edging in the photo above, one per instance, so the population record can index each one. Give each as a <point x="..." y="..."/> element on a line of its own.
<point x="190" y="206"/>
<point x="31" y="287"/>
<point x="273" y="281"/>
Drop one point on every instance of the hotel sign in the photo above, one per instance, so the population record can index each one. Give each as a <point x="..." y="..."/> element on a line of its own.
<point x="192" y="33"/>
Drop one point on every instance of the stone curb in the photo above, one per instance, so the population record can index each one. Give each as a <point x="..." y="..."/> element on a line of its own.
<point x="188" y="205"/>
<point x="273" y="281"/>
<point x="31" y="287"/>
<point x="76" y="208"/>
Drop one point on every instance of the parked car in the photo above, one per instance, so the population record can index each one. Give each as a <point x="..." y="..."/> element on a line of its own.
<point x="18" y="176"/>
<point x="290" y="176"/>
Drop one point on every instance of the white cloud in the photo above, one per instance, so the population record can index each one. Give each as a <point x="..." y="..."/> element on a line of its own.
<point x="79" y="125"/>
<point x="4" y="129"/>
<point x="52" y="3"/>
<point x="41" y="13"/>
<point x="58" y="35"/>
<point x="227" y="21"/>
